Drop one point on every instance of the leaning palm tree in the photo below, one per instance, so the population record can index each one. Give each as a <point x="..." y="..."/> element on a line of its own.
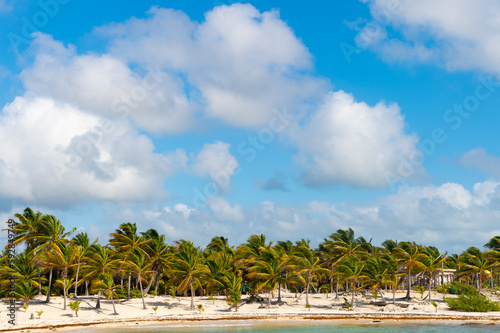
<point x="49" y="237"/>
<point x="407" y="254"/>
<point x="378" y="272"/>
<point x="352" y="271"/>
<point x="100" y="261"/>
<point x="81" y="243"/>
<point x="266" y="270"/>
<point x="431" y="263"/>
<point x="126" y="240"/>
<point x="62" y="257"/>
<point x="307" y="266"/>
<point x="140" y="265"/>
<point x="160" y="255"/>
<point x="107" y="285"/>
<point x="476" y="264"/>
<point x="24" y="231"/>
<point x="188" y="269"/>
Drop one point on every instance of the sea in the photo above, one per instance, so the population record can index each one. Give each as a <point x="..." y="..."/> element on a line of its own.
<point x="297" y="327"/>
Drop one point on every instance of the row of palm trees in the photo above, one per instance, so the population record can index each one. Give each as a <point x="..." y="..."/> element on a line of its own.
<point x="143" y="262"/>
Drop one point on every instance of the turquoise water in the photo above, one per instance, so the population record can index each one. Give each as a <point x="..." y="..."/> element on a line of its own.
<point x="300" y="327"/>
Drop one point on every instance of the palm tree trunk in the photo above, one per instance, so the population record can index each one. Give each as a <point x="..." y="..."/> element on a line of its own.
<point x="50" y="286"/>
<point x="142" y="293"/>
<point x="307" y="291"/>
<point x="192" y="295"/>
<point x="157" y="283"/>
<point x="430" y="282"/>
<point x="98" y="303"/>
<point x="408" y="277"/>
<point x="113" y="302"/>
<point x="279" y="292"/>
<point x="76" y="281"/>
<point x="64" y="292"/>
<point x="86" y="287"/>
<point x="381" y="295"/>
<point x="39" y="277"/>
<point x="128" y="290"/>
<point x="478" y="283"/>
<point x="352" y="292"/>
<point x="337" y="289"/>
<point x="150" y="283"/>
<point x="269" y="298"/>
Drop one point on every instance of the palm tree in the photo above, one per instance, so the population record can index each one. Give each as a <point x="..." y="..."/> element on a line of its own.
<point x="352" y="270"/>
<point x="63" y="257"/>
<point x="29" y="222"/>
<point x="108" y="286"/>
<point x="232" y="282"/>
<point x="81" y="243"/>
<point x="267" y="269"/>
<point x="100" y="261"/>
<point x="475" y="263"/>
<point x="407" y="253"/>
<point x="49" y="237"/>
<point x="160" y="255"/>
<point x="140" y="266"/>
<point x="378" y="271"/>
<point x="307" y="265"/>
<point x="24" y="270"/>
<point x="432" y="263"/>
<point x="188" y="269"/>
<point x="25" y="291"/>
<point x="126" y="240"/>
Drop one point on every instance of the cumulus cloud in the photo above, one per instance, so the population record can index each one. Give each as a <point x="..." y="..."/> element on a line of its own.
<point x="479" y="159"/>
<point x="448" y="216"/>
<point x="216" y="161"/>
<point x="56" y="154"/>
<point x="457" y="34"/>
<point x="349" y="142"/>
<point x="223" y="210"/>
<point x="105" y="85"/>
<point x="244" y="63"/>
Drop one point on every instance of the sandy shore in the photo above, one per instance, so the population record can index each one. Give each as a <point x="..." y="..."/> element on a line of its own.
<point x="131" y="313"/>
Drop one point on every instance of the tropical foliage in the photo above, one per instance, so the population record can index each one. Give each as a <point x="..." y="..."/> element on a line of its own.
<point x="135" y="264"/>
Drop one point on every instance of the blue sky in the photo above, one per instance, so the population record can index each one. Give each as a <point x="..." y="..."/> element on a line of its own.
<point x="207" y="118"/>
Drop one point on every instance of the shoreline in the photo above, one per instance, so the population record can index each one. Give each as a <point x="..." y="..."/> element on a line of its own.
<point x="271" y="317"/>
<point x="131" y="313"/>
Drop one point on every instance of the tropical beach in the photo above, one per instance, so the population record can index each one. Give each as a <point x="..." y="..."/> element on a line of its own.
<point x="249" y="166"/>
<point x="139" y="278"/>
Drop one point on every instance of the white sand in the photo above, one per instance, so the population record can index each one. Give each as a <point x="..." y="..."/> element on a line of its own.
<point x="130" y="312"/>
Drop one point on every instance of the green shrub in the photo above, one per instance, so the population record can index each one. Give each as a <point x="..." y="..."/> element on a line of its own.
<point x="152" y="293"/>
<point x="456" y="288"/>
<point x="122" y="293"/>
<point x="472" y="302"/>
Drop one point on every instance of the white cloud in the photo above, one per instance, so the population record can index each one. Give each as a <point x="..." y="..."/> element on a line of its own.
<point x="349" y="142"/>
<point x="216" y="161"/>
<point x="105" y="85"/>
<point x="55" y="154"/>
<point x="478" y="158"/>
<point x="223" y="210"/>
<point x="449" y="216"/>
<point x="458" y="34"/>
<point x="244" y="63"/>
